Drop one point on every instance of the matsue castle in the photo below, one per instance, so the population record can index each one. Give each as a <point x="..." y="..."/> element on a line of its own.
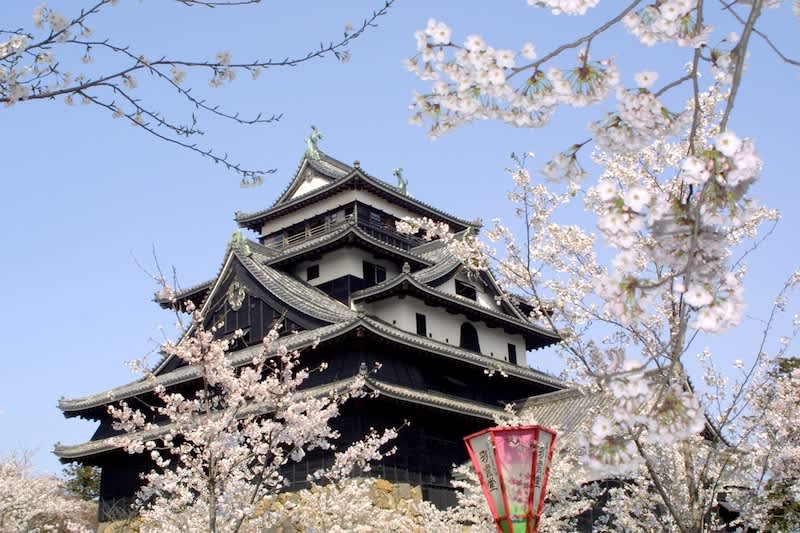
<point x="326" y="257"/>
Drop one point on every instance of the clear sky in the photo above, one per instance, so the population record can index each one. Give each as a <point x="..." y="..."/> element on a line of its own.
<point x="84" y="196"/>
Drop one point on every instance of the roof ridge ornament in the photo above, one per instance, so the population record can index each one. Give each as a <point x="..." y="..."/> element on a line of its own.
<point x="402" y="183"/>
<point x="312" y="144"/>
<point x="239" y="242"/>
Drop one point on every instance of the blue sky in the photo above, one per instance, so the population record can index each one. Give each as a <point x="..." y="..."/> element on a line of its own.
<point x="86" y="196"/>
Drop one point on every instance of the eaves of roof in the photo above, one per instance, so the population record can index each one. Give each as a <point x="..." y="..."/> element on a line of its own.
<point x="385" y="330"/>
<point x="432" y="246"/>
<point x="436" y="400"/>
<point x="297" y="341"/>
<point x="508" y="305"/>
<point x="305" y="339"/>
<point x="444" y="268"/>
<point x="407" y="283"/>
<point x="255" y="220"/>
<point x="96" y="447"/>
<point x="294" y="293"/>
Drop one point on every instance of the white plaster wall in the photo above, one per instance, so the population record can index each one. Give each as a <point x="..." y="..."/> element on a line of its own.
<point x="311" y="211"/>
<point x="341" y="262"/>
<point x="484" y="297"/>
<point x="309" y="184"/>
<point x="387" y="207"/>
<point x="444" y="326"/>
<point x="340" y="199"/>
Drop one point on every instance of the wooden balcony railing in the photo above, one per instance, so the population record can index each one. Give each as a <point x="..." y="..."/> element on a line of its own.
<point x="382" y="232"/>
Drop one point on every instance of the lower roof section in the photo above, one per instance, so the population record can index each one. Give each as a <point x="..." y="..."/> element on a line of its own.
<point x="568" y="412"/>
<point x="444" y="402"/>
<point x="90" y="406"/>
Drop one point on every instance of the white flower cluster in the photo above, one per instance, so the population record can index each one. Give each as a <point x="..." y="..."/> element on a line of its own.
<point x="39" y="503"/>
<point x="640" y="118"/>
<point x="223" y="73"/>
<point x="11" y="76"/>
<point x="477" y="82"/>
<point x="666" y="21"/>
<point x="464" y="245"/>
<point x="690" y="240"/>
<point x="569" y="7"/>
<point x="732" y="163"/>
<point x="24" y="63"/>
<point x="564" y="166"/>
<point x="211" y="444"/>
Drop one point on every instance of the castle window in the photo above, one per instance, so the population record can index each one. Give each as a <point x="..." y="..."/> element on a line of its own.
<point x="422" y="325"/>
<point x="373" y="274"/>
<point x="469" y="338"/>
<point x="466" y="290"/>
<point x="512" y="354"/>
<point x="312" y="272"/>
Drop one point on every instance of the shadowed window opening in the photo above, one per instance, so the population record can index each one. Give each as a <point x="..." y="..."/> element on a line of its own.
<point x="469" y="337"/>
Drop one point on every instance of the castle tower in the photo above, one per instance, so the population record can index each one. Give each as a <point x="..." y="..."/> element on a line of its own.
<point x="327" y="258"/>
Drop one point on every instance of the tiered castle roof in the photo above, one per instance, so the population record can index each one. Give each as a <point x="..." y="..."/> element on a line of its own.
<point x="264" y="269"/>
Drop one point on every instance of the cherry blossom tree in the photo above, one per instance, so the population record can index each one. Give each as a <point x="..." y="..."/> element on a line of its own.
<point x="32" y="502"/>
<point x="218" y="452"/>
<point x="663" y="268"/>
<point x="67" y="57"/>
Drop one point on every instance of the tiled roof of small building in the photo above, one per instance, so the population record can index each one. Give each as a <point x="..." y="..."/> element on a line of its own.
<point x="568" y="411"/>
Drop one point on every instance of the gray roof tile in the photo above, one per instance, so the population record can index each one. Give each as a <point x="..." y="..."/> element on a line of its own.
<point x="568" y="411"/>
<point x="398" y="392"/>
<point x="295" y="293"/>
<point x="183" y="374"/>
<point x="248" y="218"/>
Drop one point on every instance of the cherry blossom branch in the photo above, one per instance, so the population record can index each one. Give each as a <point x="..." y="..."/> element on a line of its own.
<point x="576" y="43"/>
<point x="656" y="480"/>
<point x="30" y="70"/>
<point x="221" y="3"/>
<point x="740" y="54"/>
<point x="249" y="176"/>
<point x="764" y="36"/>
